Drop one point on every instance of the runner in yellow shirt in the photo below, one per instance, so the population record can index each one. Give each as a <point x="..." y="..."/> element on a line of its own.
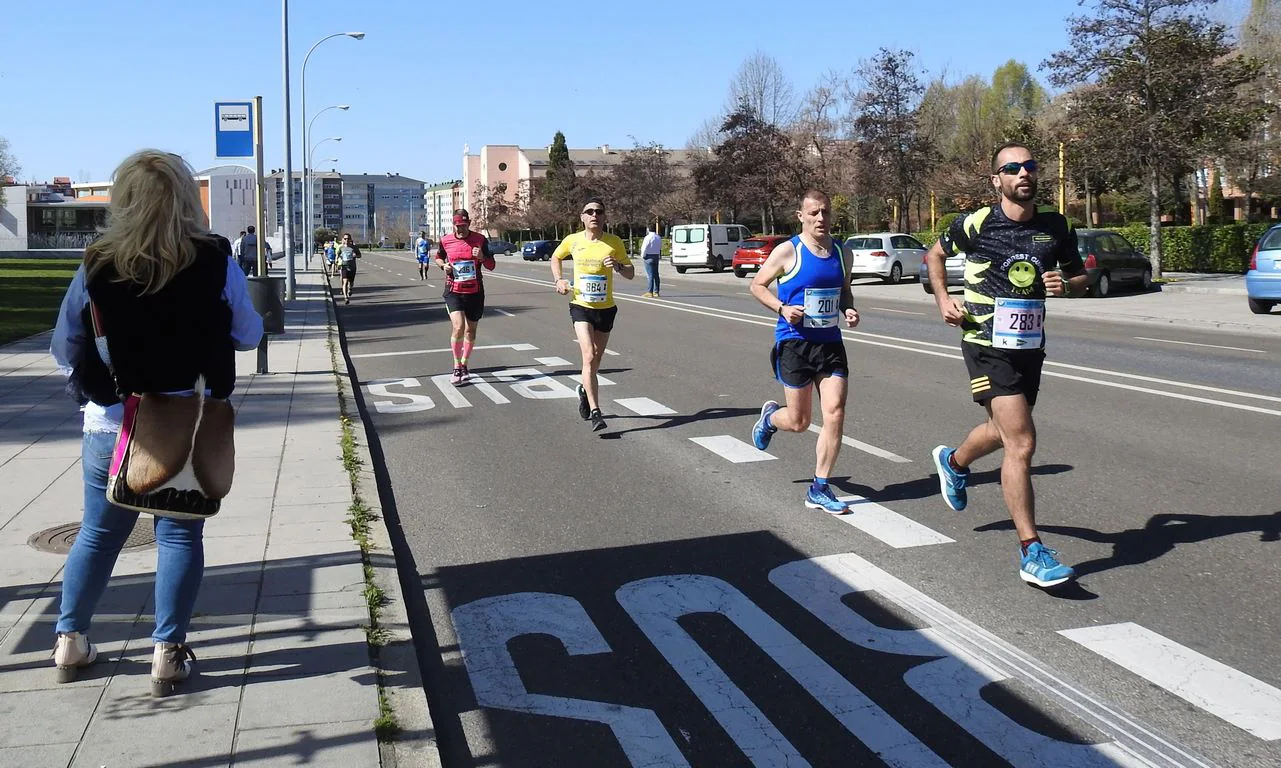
<point x="597" y="256"/>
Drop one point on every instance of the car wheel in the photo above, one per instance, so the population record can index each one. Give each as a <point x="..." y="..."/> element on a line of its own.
<point x="928" y="286"/>
<point x="1146" y="280"/>
<point x="896" y="274"/>
<point x="740" y="273"/>
<point x="718" y="264"/>
<point x="681" y="270"/>
<point x="1259" y="306"/>
<point x="1103" y="287"/>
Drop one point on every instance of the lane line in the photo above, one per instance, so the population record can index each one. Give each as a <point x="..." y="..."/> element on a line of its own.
<point x="866" y="447"/>
<point x="553" y="362"/>
<point x="732" y="449"/>
<point x="516" y="347"/>
<point x="611" y="352"/>
<point x="889" y="526"/>
<point x="1244" y="701"/>
<point x="873" y="340"/>
<point x="899" y="311"/>
<point x="643" y="406"/>
<point x="1194" y="344"/>
<point x="503" y="312"/>
<point x="601" y="380"/>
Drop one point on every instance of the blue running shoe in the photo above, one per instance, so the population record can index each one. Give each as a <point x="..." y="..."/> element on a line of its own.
<point x="762" y="431"/>
<point x="951" y="482"/>
<point x="824" y="499"/>
<point x="1040" y="567"/>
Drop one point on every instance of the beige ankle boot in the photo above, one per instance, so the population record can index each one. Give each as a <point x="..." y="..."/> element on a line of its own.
<point x="71" y="652"/>
<point x="171" y="664"/>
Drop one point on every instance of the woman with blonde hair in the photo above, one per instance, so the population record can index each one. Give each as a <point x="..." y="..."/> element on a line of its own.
<point x="173" y="307"/>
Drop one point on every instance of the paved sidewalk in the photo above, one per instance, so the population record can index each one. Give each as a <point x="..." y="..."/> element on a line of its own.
<point x="285" y="675"/>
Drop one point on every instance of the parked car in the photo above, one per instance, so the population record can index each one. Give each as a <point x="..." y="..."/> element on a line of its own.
<point x="1263" y="280"/>
<point x="705" y="245"/>
<point x="538" y="250"/>
<point x="501" y="247"/>
<point x="887" y="255"/>
<point x="954" y="266"/>
<point x="1111" y="260"/>
<point x="751" y="254"/>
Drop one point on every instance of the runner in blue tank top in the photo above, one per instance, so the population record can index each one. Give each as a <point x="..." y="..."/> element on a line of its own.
<point x="813" y="297"/>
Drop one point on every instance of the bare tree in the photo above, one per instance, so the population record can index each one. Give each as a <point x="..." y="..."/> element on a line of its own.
<point x="708" y="134"/>
<point x="816" y="132"/>
<point x="761" y="84"/>
<point x="496" y="210"/>
<point x="8" y="165"/>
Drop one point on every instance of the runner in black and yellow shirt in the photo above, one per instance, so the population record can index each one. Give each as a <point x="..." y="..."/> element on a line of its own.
<point x="597" y="256"/>
<point x="1016" y="254"/>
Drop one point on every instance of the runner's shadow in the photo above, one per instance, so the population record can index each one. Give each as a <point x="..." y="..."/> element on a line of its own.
<point x="679" y="420"/>
<point x="1159" y="536"/>
<point x="925" y="487"/>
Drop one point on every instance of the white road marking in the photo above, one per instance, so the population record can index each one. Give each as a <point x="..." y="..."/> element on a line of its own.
<point x="1248" y="703"/>
<point x="643" y="406"/>
<point x="889" y="526"/>
<point x="891" y="342"/>
<point x="1194" y="344"/>
<point x="450" y="392"/>
<point x="552" y="362"/>
<point x="866" y="447"/>
<point x="600" y="380"/>
<point x="732" y="449"/>
<point x="487" y="389"/>
<point x="898" y="311"/>
<point x="610" y="352"/>
<point x="503" y="312"/>
<point x="516" y="347"/>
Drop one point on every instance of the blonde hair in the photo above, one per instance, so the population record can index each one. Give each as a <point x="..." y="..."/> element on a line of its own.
<point x="154" y="215"/>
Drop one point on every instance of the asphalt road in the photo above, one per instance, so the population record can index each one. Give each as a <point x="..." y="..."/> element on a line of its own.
<point x="635" y="597"/>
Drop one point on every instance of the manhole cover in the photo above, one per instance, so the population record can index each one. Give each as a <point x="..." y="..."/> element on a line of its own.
<point x="59" y="538"/>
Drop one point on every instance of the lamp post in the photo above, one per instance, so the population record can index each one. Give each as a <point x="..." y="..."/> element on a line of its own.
<point x="308" y="213"/>
<point x="303" y="90"/>
<point x="311" y="153"/>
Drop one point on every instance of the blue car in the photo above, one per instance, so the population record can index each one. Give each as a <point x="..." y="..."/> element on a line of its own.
<point x="1263" y="281"/>
<point x="539" y="250"/>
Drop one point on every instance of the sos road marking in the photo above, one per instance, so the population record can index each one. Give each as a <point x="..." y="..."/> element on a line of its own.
<point x="959" y="659"/>
<point x="515" y="347"/>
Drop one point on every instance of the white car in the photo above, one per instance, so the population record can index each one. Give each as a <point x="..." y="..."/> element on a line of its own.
<point x="706" y="245"/>
<point x="887" y="255"/>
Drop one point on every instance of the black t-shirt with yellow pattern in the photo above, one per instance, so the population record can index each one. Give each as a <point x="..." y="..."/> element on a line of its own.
<point x="1006" y="259"/>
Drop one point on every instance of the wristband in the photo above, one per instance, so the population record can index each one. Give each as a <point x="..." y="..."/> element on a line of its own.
<point x="780" y="309"/>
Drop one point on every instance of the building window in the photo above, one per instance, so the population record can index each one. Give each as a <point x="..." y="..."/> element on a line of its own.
<point x="502" y="167"/>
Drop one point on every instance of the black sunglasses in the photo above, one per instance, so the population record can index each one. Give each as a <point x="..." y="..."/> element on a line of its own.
<point x="593" y="211"/>
<point x="1012" y="169"/>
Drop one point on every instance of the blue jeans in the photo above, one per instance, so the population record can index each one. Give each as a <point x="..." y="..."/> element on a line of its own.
<point x="651" y="271"/>
<point x="180" y="564"/>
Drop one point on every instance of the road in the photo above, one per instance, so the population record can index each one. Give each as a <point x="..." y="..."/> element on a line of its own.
<point x="656" y="594"/>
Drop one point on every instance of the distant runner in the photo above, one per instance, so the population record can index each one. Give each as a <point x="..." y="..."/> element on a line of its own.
<point x="461" y="256"/>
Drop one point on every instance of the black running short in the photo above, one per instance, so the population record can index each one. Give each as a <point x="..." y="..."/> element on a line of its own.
<point x="602" y="320"/>
<point x="472" y="305"/>
<point x="349" y="273"/>
<point x="797" y="363"/>
<point x="997" y="372"/>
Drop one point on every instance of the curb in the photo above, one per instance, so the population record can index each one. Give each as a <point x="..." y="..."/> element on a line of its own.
<point x="396" y="660"/>
<point x="1204" y="289"/>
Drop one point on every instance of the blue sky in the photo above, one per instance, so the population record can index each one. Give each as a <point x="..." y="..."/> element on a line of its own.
<point x="87" y="82"/>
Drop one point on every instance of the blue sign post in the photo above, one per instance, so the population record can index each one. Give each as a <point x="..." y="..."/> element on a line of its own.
<point x="233" y="129"/>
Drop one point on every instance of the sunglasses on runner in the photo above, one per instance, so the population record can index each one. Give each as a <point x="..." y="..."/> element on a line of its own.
<point x="593" y="211"/>
<point x="1012" y="169"/>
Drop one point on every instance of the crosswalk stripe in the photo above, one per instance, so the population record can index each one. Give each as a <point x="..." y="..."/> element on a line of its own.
<point x="554" y="362"/>
<point x="889" y="526"/>
<point x="866" y="447"/>
<point x="643" y="406"/>
<point x="1246" y="702"/>
<point x="601" y="380"/>
<point x="732" y="449"/>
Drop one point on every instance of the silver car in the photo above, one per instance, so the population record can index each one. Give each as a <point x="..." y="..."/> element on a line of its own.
<point x="955" y="272"/>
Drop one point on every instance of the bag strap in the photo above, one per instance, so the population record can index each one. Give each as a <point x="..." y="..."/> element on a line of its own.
<point x="100" y="343"/>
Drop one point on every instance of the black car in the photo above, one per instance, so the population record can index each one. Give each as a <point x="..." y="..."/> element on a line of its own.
<point x="539" y="250"/>
<point x="501" y="247"/>
<point x="1111" y="260"/>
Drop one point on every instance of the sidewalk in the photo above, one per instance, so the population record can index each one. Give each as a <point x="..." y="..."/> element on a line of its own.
<point x="286" y="674"/>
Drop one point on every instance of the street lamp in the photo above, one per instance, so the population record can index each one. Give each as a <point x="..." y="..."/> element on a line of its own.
<point x="309" y="236"/>
<point x="308" y="233"/>
<point x="306" y="127"/>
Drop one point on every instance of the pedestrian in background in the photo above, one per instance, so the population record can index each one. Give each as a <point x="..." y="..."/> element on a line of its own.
<point x="173" y="308"/>
<point x="652" y="254"/>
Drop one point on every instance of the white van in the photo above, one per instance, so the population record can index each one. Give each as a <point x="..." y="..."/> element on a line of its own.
<point x="706" y="245"/>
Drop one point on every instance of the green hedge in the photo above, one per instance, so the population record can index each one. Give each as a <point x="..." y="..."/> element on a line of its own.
<point x="1222" y="248"/>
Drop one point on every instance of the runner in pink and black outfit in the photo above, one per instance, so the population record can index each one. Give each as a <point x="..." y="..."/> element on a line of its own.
<point x="461" y="256"/>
